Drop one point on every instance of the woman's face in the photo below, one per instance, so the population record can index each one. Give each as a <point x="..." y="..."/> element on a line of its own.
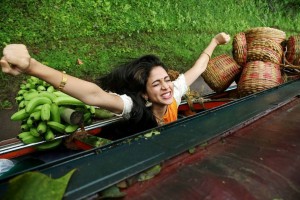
<point x="159" y="88"/>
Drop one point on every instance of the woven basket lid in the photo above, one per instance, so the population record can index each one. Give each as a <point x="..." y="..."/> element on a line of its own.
<point x="265" y="32"/>
<point x="264" y="49"/>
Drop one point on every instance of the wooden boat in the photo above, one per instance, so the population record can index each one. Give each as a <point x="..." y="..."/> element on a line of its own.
<point x="246" y="148"/>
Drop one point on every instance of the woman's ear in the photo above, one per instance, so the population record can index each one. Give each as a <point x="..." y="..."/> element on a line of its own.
<point x="148" y="103"/>
<point x="145" y="96"/>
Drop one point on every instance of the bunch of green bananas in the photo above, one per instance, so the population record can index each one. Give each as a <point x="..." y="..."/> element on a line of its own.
<point x="39" y="110"/>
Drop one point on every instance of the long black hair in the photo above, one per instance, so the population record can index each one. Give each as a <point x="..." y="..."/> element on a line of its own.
<point x="130" y="78"/>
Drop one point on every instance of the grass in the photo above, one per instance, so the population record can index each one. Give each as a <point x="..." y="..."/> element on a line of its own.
<point x="102" y="33"/>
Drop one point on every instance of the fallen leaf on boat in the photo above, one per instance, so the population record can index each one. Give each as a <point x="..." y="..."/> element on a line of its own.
<point x="36" y="185"/>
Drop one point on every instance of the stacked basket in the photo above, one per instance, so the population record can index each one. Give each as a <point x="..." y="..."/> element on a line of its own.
<point x="292" y="58"/>
<point x="293" y="51"/>
<point x="261" y="59"/>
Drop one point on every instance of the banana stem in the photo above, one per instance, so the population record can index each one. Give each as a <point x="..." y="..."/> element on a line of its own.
<point x="71" y="116"/>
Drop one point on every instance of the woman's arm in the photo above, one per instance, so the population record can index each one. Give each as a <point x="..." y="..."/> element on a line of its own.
<point x="17" y="60"/>
<point x="200" y="65"/>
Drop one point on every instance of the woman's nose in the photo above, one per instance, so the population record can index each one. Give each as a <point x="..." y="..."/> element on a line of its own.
<point x="164" y="85"/>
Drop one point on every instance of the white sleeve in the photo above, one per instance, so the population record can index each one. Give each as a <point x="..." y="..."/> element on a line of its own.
<point x="128" y="104"/>
<point x="180" y="88"/>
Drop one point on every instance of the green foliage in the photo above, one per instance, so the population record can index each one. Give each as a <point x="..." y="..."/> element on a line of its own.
<point x="103" y="32"/>
<point x="36" y="185"/>
<point x="6" y="104"/>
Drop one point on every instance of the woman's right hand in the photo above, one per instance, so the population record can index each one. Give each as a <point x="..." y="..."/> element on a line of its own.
<point x="222" y="38"/>
<point x="15" y="60"/>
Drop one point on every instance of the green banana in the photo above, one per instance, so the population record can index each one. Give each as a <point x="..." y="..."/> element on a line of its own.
<point x="93" y="110"/>
<point x="32" y="90"/>
<point x="60" y="94"/>
<point x="42" y="127"/>
<point x="25" y="103"/>
<point x="30" y="95"/>
<point x="33" y="131"/>
<point x="87" y="116"/>
<point x="56" y="126"/>
<point x="23" y="87"/>
<point x="47" y="94"/>
<point x="49" y="135"/>
<point x="31" y="139"/>
<point x="89" y="122"/>
<point x="19" y="99"/>
<point x="48" y="145"/>
<point x="45" y="112"/>
<point x="71" y="128"/>
<point x="30" y="85"/>
<point x="54" y="112"/>
<point x="50" y="89"/>
<point x="35" y="115"/>
<point x="38" y="108"/>
<point x="102" y="113"/>
<point x="28" y="138"/>
<point x="41" y="88"/>
<point x="24" y="134"/>
<point x="19" y="115"/>
<point x="36" y="101"/>
<point x="21" y="92"/>
<point x="29" y="122"/>
<point x="44" y="83"/>
<point x="24" y="127"/>
<point x="21" y="104"/>
<point x="34" y="79"/>
<point x="67" y="100"/>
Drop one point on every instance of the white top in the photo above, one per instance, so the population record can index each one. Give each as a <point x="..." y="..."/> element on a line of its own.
<point x="180" y="89"/>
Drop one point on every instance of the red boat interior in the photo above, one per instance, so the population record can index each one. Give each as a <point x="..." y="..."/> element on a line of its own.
<point x="257" y="161"/>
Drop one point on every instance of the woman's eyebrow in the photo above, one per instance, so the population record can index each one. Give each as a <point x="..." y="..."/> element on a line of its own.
<point x="157" y="80"/>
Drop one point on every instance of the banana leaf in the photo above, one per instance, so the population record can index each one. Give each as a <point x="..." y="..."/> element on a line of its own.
<point x="35" y="185"/>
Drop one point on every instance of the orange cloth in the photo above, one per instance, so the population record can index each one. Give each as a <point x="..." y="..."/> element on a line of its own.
<point x="172" y="112"/>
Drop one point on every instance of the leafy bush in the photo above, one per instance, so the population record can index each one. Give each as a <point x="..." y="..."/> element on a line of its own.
<point x="103" y="32"/>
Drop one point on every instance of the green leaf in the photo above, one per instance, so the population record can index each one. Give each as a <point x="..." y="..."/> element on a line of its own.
<point x="150" y="173"/>
<point x="112" y="192"/>
<point x="192" y="150"/>
<point x="35" y="185"/>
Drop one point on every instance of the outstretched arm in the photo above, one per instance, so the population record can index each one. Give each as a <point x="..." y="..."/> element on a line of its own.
<point x="17" y="60"/>
<point x="200" y="65"/>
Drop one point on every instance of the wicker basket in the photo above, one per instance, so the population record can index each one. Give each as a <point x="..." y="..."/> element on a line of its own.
<point x="264" y="50"/>
<point x="239" y="48"/>
<point x="293" y="50"/>
<point x="258" y="76"/>
<point x="265" y="32"/>
<point x="220" y="72"/>
<point x="173" y="74"/>
<point x="290" y="75"/>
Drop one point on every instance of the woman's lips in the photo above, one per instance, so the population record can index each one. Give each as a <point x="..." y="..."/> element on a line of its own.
<point x="167" y="95"/>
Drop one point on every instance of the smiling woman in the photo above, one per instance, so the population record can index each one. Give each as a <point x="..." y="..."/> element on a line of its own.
<point x="127" y="90"/>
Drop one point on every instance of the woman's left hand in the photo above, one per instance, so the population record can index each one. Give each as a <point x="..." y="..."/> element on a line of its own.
<point x="222" y="38"/>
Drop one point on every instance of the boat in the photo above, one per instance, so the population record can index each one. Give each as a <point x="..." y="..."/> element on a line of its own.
<point x="245" y="148"/>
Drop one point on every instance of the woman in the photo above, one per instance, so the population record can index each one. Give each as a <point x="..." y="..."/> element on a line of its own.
<point x="127" y="91"/>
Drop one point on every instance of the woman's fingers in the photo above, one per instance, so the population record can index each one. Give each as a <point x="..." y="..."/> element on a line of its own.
<point x="227" y="38"/>
<point x="17" y="54"/>
<point x="5" y="66"/>
<point x="8" y="68"/>
<point x="223" y="38"/>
